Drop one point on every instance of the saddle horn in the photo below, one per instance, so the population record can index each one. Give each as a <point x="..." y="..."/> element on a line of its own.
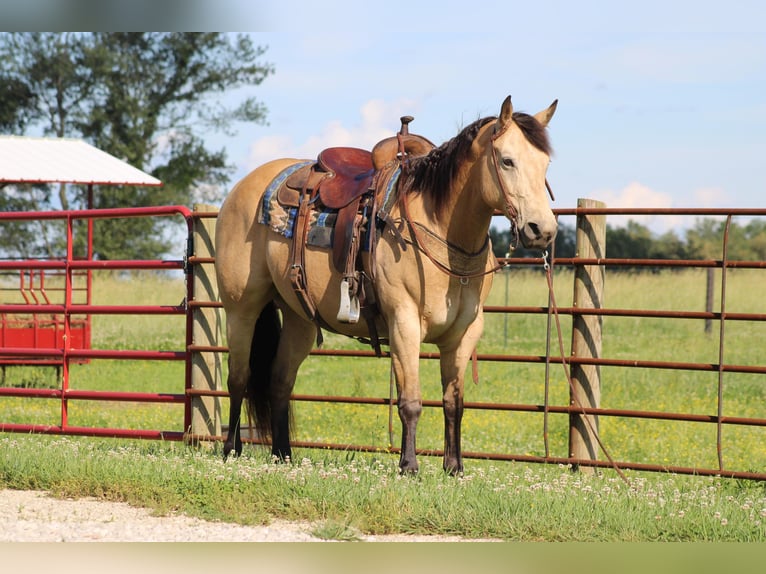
<point x="405" y="129"/>
<point x="399" y="146"/>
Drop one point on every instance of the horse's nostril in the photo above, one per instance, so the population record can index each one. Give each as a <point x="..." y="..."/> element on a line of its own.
<point x="533" y="227"/>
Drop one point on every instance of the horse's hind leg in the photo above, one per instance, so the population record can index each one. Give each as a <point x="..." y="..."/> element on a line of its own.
<point x="240" y="330"/>
<point x="295" y="343"/>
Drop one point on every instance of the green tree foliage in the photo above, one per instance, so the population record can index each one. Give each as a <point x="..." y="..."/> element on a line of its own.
<point x="502" y="241"/>
<point x="745" y="242"/>
<point x="146" y="98"/>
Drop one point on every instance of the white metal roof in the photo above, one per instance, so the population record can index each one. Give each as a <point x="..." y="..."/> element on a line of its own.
<point x="64" y="160"/>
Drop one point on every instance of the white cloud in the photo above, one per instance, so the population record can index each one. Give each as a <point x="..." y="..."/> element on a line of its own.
<point x="268" y="148"/>
<point x="637" y="195"/>
<point x="710" y="197"/>
<point x="377" y="119"/>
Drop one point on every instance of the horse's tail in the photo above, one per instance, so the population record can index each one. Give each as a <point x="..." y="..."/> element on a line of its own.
<point x="263" y="351"/>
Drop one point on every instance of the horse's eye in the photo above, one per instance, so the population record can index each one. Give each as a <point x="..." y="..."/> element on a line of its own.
<point x="508" y="162"/>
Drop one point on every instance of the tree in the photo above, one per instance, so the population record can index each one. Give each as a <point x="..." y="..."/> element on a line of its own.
<point x="146" y="98"/>
<point x="564" y="243"/>
<point x="745" y="242"/>
<point x="17" y="103"/>
<point x="633" y="241"/>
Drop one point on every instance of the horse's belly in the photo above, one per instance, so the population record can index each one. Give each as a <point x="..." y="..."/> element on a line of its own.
<point x="323" y="284"/>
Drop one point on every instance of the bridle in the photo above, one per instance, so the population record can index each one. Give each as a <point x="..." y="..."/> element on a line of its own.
<point x="510" y="210"/>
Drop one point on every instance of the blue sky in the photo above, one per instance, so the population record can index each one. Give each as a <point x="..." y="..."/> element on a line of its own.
<point x="661" y="104"/>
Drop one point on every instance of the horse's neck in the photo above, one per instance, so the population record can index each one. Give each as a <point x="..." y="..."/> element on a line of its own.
<point x="466" y="218"/>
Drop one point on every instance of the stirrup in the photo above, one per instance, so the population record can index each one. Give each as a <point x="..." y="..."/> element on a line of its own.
<point x="349" y="306"/>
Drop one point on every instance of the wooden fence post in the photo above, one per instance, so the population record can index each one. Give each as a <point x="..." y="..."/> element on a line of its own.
<point x="586" y="333"/>
<point x="206" y="366"/>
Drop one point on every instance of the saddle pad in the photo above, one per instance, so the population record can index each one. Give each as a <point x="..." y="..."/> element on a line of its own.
<point x="281" y="219"/>
<point x="389" y="197"/>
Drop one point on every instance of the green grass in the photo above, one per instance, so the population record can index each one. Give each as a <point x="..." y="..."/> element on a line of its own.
<point x="345" y="493"/>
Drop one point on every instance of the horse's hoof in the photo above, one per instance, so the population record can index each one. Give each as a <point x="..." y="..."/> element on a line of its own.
<point x="227" y="451"/>
<point x="453" y="468"/>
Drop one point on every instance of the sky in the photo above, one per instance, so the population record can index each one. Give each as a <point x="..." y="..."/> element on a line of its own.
<point x="661" y="103"/>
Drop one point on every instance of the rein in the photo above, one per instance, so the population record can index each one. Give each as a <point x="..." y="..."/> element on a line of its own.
<point x="464" y="277"/>
<point x="564" y="364"/>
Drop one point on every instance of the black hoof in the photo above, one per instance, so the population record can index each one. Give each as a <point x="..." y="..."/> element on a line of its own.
<point x="227" y="451"/>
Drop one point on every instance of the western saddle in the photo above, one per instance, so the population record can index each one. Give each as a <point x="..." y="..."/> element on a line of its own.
<point x="352" y="182"/>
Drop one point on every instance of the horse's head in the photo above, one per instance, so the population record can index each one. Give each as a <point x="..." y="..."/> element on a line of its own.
<point x="520" y="154"/>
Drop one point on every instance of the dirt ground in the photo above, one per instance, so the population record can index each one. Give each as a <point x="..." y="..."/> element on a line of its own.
<point x="32" y="516"/>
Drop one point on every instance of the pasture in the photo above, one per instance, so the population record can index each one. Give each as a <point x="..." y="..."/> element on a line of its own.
<point x="346" y="491"/>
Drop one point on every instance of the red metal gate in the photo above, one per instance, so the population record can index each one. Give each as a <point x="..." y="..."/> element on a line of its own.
<point x="42" y="332"/>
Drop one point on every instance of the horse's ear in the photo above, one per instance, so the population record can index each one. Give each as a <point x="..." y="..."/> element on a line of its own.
<point x="545" y="116"/>
<point x="506" y="112"/>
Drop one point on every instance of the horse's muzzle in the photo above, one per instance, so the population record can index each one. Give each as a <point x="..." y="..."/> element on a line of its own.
<point x="538" y="236"/>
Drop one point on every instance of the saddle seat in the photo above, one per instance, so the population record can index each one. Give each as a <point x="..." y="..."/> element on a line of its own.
<point x="341" y="174"/>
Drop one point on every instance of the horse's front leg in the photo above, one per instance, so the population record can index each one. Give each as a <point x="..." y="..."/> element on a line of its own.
<point x="454" y="360"/>
<point x="405" y="356"/>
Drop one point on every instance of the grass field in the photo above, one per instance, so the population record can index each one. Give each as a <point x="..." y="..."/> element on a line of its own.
<point x="547" y="488"/>
<point x="638" y="440"/>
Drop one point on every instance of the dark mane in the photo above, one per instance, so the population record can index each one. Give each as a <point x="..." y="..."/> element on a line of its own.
<point x="433" y="173"/>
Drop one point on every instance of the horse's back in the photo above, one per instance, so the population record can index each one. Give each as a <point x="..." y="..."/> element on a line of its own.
<point x="242" y="201"/>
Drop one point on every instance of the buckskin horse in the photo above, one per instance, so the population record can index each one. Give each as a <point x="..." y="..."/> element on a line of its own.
<point x="412" y="257"/>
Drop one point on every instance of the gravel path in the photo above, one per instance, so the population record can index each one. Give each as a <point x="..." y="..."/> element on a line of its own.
<point x="31" y="516"/>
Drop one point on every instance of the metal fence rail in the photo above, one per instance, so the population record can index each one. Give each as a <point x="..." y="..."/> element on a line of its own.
<point x="551" y="358"/>
<point x="214" y="392"/>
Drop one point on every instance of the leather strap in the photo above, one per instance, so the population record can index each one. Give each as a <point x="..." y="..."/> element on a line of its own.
<point x="510" y="210"/>
<point x="422" y="246"/>
<point x="297" y="271"/>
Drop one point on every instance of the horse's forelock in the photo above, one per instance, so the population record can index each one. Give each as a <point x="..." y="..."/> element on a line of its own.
<point x="534" y="131"/>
